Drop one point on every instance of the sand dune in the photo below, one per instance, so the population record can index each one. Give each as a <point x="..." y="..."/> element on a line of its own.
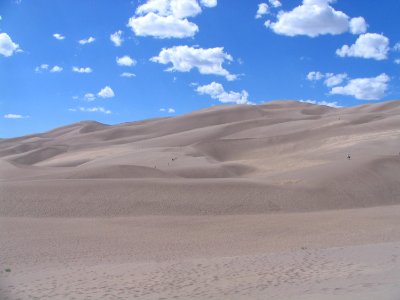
<point x="293" y="152"/>
<point x="229" y="202"/>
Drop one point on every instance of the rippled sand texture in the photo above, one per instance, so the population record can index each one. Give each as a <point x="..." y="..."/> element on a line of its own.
<point x="231" y="202"/>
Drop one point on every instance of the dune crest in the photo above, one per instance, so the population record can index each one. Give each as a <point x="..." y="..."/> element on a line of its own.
<point x="291" y="153"/>
<point x="230" y="202"/>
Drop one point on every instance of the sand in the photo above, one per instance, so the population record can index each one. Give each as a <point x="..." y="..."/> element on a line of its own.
<point x="230" y="202"/>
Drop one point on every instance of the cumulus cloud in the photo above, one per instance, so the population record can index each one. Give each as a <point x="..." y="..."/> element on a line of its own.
<point x="126" y="61"/>
<point x="127" y="74"/>
<point x="331" y="79"/>
<point x="116" y="38"/>
<point x="106" y="92"/>
<point x="167" y="18"/>
<point x="177" y="8"/>
<point x="185" y="58"/>
<point x="45" y="67"/>
<point x="168" y="110"/>
<point x="315" y="76"/>
<point x="325" y="103"/>
<point x="314" y="18"/>
<point x="15" y="116"/>
<point x="262" y="10"/>
<point x="56" y="69"/>
<point x="82" y="69"/>
<point x="369" y="45"/>
<point x="275" y="3"/>
<point x="216" y="91"/>
<point x="162" y="27"/>
<point x="87" y="41"/>
<point x="58" y="36"/>
<point x="396" y="47"/>
<point x="358" y="25"/>
<point x="397" y="61"/>
<point x="334" y="79"/>
<point x="373" y="88"/>
<point x="7" y="46"/>
<point x="209" y="3"/>
<point x="92" y="109"/>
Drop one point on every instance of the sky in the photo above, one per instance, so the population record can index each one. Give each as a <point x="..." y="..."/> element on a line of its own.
<point x="117" y="61"/>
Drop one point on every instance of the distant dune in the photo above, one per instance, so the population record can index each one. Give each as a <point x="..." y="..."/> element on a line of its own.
<point x="279" y="156"/>
<point x="230" y="202"/>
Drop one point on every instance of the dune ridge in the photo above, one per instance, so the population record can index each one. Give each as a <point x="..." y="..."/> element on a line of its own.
<point x="284" y="155"/>
<point x="229" y="202"/>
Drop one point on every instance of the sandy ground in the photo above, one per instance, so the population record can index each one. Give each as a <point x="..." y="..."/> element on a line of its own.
<point x="231" y="202"/>
<point x="347" y="254"/>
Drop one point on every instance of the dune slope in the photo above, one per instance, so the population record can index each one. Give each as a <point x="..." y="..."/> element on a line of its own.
<point x="280" y="156"/>
<point x="231" y="202"/>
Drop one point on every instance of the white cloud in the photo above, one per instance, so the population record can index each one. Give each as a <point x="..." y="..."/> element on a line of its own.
<point x="209" y="3"/>
<point x="162" y="27"/>
<point x="358" y="25"/>
<point x="106" y="92"/>
<point x="183" y="8"/>
<point x="125" y="61"/>
<point x="58" y="36"/>
<point x="326" y="103"/>
<point x="275" y="3"/>
<point x="216" y="91"/>
<point x="178" y="8"/>
<point x="315" y="76"/>
<point x="45" y="67"/>
<point x="87" y="41"/>
<point x="92" y="109"/>
<point x="185" y="58"/>
<point x="116" y="38"/>
<point x="334" y="79"/>
<point x="41" y="67"/>
<point x="331" y="79"/>
<point x="167" y="18"/>
<point x="262" y="10"/>
<point x="396" y="47"/>
<point x="15" y="116"/>
<point x="168" y="110"/>
<point x="127" y="74"/>
<point x="7" y="46"/>
<point x="369" y="45"/>
<point x="373" y="88"/>
<point x="82" y="69"/>
<point x="313" y="18"/>
<point x="89" y="97"/>
<point x="96" y="109"/>
<point x="361" y="88"/>
<point x="56" y="69"/>
<point x="397" y="61"/>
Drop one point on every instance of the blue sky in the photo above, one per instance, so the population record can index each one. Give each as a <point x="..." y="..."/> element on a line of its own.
<point x="119" y="61"/>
